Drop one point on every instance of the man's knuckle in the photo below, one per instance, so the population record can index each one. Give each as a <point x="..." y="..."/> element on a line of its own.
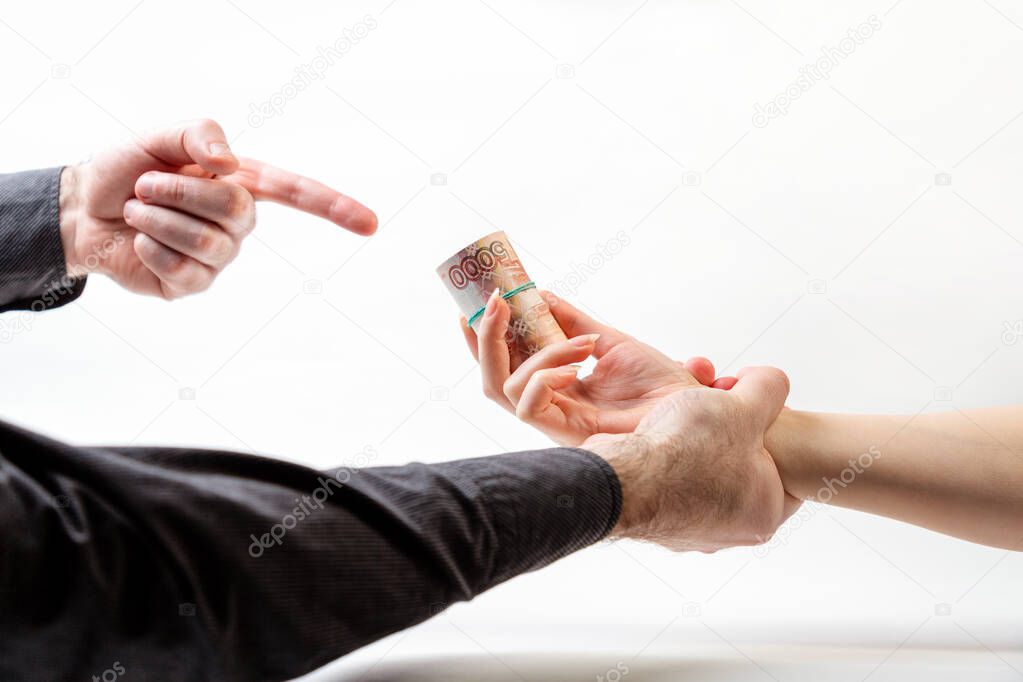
<point x="219" y="248"/>
<point x="177" y="267"/>
<point x="195" y="280"/>
<point x="238" y="206"/>
<point x="204" y="240"/>
<point x="195" y="239"/>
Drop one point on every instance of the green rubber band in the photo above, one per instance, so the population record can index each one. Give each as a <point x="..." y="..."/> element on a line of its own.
<point x="479" y="313"/>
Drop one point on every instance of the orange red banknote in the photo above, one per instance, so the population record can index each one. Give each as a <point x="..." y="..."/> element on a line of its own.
<point x="491" y="263"/>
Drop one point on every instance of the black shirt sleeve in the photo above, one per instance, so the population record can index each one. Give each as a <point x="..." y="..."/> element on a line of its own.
<point x="33" y="273"/>
<point x="201" y="565"/>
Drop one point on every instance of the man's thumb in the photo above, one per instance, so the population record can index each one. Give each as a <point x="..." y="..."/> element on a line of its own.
<point x="765" y="388"/>
<point x="201" y="142"/>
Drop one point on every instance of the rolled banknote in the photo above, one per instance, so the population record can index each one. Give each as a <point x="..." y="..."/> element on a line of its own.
<point x="491" y="263"/>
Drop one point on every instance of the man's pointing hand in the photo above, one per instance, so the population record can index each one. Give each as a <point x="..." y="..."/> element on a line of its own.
<point x="164" y="214"/>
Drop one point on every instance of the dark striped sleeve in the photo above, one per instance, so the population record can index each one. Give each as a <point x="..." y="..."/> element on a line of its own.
<point x="33" y="273"/>
<point x="201" y="565"/>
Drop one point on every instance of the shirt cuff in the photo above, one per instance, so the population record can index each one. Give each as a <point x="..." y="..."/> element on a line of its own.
<point x="33" y="270"/>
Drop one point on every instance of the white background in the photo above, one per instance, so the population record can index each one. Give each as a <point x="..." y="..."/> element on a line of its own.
<point x="729" y="225"/>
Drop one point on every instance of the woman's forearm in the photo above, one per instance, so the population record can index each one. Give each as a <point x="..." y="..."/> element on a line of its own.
<point x="959" y="473"/>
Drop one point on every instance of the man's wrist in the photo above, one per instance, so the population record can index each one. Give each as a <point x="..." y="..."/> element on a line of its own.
<point x="625" y="454"/>
<point x="70" y="208"/>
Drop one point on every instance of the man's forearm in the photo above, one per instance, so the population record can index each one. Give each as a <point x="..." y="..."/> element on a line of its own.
<point x="959" y="473"/>
<point x="211" y="565"/>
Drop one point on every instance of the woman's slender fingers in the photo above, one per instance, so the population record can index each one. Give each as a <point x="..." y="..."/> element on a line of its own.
<point x="495" y="360"/>
<point x="724" y="383"/>
<point x="701" y="368"/>
<point x="199" y="239"/>
<point x="179" y="275"/>
<point x="470" y="338"/>
<point x="538" y="393"/>
<point x="555" y="355"/>
<point x="223" y="203"/>
<point x="543" y="407"/>
<point x="574" y="322"/>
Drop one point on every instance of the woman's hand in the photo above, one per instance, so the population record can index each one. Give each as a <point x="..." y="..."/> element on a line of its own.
<point x="545" y="392"/>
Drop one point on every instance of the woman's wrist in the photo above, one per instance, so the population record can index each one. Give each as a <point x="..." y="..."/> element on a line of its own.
<point x="794" y="445"/>
<point x="820" y="455"/>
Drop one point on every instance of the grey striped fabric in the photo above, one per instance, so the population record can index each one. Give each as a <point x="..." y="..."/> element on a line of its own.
<point x="32" y="267"/>
<point x="195" y="566"/>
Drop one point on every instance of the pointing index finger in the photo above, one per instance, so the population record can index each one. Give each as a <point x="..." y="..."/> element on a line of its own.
<point x="267" y="183"/>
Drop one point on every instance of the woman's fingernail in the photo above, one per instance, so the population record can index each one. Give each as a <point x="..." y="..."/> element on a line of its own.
<point x="584" y="340"/>
<point x="220" y="149"/>
<point x="492" y="302"/>
<point x="130" y="208"/>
